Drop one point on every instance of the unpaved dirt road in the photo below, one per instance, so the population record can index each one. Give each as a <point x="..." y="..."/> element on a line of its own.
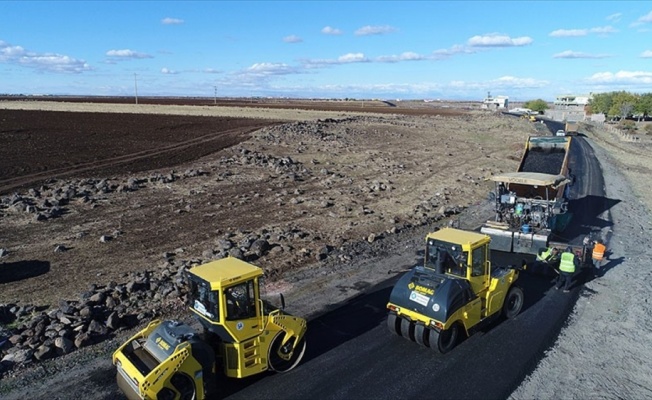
<point x="344" y="189"/>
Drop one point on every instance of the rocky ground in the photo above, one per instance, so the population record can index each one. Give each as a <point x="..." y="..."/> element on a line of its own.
<point x="309" y="201"/>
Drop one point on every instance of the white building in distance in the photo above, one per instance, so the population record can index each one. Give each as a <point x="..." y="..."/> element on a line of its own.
<point x="572" y="100"/>
<point x="495" y="103"/>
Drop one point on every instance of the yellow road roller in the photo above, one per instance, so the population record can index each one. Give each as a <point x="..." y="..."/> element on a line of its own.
<point x="242" y="335"/>
<point x="454" y="292"/>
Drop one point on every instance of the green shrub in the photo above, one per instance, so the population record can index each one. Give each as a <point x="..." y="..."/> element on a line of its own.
<point x="628" y="125"/>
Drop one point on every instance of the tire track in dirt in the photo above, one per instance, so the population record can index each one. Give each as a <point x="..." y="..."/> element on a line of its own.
<point x="229" y="138"/>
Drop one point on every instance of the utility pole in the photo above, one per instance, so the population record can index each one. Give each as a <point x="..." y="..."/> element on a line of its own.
<point x="215" y="98"/>
<point x="136" y="88"/>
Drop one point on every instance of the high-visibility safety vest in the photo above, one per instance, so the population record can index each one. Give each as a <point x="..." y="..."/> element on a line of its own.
<point x="598" y="251"/>
<point x="544" y="255"/>
<point x="567" y="263"/>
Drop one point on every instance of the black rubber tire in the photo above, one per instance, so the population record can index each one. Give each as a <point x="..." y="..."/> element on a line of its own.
<point x="445" y="340"/>
<point x="278" y="364"/>
<point x="185" y="386"/>
<point x="407" y="329"/>
<point x="393" y="324"/>
<point x="513" y="302"/>
<point x="421" y="335"/>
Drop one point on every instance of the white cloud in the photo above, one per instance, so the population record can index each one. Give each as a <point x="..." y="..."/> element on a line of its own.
<point x="375" y="30"/>
<point x="645" y="19"/>
<point x="569" y="32"/>
<point x="328" y="30"/>
<point x="46" y="62"/>
<point x="614" y="17"/>
<point x="172" y="21"/>
<point x="352" y="58"/>
<point x="126" y="54"/>
<point x="516" y="82"/>
<point x="578" y="54"/>
<point x="211" y="71"/>
<point x="167" y="71"/>
<point x="603" y="30"/>
<point x="646" y="54"/>
<point x="456" y="49"/>
<point x="498" y="40"/>
<point x="348" y="58"/>
<point x="600" y="30"/>
<point x="292" y="39"/>
<point x="406" y="56"/>
<point x="504" y="83"/>
<point x="267" y="69"/>
<point x="622" y="77"/>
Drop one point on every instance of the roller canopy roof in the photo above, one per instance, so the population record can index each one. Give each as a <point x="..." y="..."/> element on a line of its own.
<point x="531" y="178"/>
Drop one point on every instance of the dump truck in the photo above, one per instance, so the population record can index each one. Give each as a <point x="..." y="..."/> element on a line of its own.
<point x="572" y="127"/>
<point x="532" y="203"/>
<point x="243" y="335"/>
<point x="455" y="292"/>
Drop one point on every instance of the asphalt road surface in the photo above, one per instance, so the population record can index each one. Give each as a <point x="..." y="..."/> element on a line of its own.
<point x="352" y="354"/>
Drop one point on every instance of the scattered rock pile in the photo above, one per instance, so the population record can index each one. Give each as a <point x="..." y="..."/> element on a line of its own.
<point x="98" y="313"/>
<point x="51" y="199"/>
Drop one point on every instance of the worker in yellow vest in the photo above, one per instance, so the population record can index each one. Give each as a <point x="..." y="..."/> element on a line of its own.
<point x="598" y="255"/>
<point x="546" y="263"/>
<point x="567" y="266"/>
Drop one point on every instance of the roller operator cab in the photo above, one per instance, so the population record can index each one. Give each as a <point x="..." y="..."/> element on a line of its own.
<point x="453" y="292"/>
<point x="242" y="335"/>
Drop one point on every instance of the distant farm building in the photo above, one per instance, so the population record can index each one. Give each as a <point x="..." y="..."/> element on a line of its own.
<point x="569" y="107"/>
<point x="572" y="101"/>
<point x="495" y="103"/>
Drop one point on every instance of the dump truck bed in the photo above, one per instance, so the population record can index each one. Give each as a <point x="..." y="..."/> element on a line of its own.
<point x="531" y="202"/>
<point x="546" y="155"/>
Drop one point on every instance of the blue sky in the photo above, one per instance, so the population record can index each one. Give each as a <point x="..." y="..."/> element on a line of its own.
<point x="326" y="49"/>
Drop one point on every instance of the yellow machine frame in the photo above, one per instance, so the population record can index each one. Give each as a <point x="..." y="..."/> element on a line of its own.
<point x="264" y="339"/>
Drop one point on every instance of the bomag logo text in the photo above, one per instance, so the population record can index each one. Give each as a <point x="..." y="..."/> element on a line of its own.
<point x="424" y="289"/>
<point x="162" y="344"/>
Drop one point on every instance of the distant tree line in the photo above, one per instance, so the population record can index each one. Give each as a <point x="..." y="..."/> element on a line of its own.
<point x="621" y="104"/>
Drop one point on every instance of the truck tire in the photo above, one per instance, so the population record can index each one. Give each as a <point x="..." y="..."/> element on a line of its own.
<point x="421" y="335"/>
<point x="407" y="329"/>
<point x="444" y="340"/>
<point x="513" y="302"/>
<point x="392" y="324"/>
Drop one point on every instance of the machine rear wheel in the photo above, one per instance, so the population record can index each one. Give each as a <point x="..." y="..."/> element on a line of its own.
<point x="392" y="324"/>
<point x="445" y="340"/>
<point x="280" y="364"/>
<point x="421" y="334"/>
<point x="407" y="329"/>
<point x="513" y="302"/>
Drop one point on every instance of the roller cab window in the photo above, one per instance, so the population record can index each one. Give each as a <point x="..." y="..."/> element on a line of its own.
<point x="446" y="258"/>
<point x="204" y="300"/>
<point x="240" y="301"/>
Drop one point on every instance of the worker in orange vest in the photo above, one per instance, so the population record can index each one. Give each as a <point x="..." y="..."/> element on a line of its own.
<point x="598" y="254"/>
